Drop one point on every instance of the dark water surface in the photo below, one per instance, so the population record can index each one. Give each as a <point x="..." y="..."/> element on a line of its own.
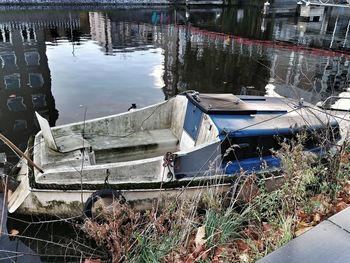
<point x="60" y="62"/>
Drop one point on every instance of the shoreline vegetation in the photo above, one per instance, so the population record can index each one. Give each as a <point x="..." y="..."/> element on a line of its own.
<point x="241" y="226"/>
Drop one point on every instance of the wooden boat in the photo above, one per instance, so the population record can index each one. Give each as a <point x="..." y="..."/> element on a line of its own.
<point x="191" y="142"/>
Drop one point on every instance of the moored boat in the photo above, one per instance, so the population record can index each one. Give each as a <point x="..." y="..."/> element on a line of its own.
<point x="191" y="142"/>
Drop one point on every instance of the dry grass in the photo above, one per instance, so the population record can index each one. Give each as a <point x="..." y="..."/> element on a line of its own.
<point x="210" y="229"/>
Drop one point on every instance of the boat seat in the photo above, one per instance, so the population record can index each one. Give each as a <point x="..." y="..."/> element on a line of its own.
<point x="133" y="146"/>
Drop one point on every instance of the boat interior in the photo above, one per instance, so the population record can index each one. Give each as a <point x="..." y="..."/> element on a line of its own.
<point x="123" y="141"/>
<point x="130" y="147"/>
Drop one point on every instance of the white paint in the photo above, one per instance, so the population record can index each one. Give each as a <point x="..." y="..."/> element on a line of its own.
<point x="46" y="132"/>
<point x="186" y="141"/>
<point x="22" y="191"/>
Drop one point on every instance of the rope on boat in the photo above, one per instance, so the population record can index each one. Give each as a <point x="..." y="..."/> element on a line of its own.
<point x="168" y="161"/>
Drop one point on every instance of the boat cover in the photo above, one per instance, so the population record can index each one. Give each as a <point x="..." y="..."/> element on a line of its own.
<point x="229" y="104"/>
<point x="220" y="103"/>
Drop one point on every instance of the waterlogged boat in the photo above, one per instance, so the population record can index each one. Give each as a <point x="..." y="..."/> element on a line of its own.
<point x="190" y="142"/>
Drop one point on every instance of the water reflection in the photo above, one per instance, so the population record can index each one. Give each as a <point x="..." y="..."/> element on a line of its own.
<point x="25" y="81"/>
<point x="56" y="60"/>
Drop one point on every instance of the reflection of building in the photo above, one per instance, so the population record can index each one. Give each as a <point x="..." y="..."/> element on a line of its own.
<point x="330" y="32"/>
<point x="215" y="62"/>
<point x="313" y="78"/>
<point x="173" y="47"/>
<point x="100" y="28"/>
<point x="212" y="62"/>
<point x="25" y="81"/>
<point x="186" y="50"/>
<point x="115" y="35"/>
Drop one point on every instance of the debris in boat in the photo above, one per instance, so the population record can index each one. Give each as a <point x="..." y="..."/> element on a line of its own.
<point x="14" y="232"/>
<point x="132" y="107"/>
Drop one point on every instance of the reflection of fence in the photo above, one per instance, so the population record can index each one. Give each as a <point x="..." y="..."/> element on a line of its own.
<point x="74" y="23"/>
<point x="231" y="40"/>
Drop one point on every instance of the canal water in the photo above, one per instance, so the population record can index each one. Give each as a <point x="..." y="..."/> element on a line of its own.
<point x="62" y="62"/>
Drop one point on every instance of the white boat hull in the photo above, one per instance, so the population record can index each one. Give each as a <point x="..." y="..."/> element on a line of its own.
<point x="188" y="144"/>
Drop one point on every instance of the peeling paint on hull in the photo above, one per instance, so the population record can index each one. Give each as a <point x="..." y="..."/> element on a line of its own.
<point x="68" y="204"/>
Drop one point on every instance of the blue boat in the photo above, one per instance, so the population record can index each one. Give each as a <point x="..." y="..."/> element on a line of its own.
<point x="182" y="143"/>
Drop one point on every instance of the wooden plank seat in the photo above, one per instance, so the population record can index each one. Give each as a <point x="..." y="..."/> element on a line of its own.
<point x="132" y="146"/>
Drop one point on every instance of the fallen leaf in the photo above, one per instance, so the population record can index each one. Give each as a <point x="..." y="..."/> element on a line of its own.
<point x="302" y="231"/>
<point x="218" y="254"/>
<point x="14" y="232"/>
<point x="317" y="218"/>
<point x="200" y="236"/>
<point x="346" y="188"/>
<point x="203" y="255"/>
<point x="251" y="233"/>
<point x="303" y="224"/>
<point x="259" y="244"/>
<point x="267" y="227"/>
<point x="189" y="259"/>
<point x="198" y="251"/>
<point x="219" y="251"/>
<point x="340" y="206"/>
<point x="301" y="215"/>
<point x="241" y="245"/>
<point x="346" y="198"/>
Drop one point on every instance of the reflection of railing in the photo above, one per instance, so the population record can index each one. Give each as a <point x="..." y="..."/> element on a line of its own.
<point x="75" y="23"/>
<point x="228" y="39"/>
